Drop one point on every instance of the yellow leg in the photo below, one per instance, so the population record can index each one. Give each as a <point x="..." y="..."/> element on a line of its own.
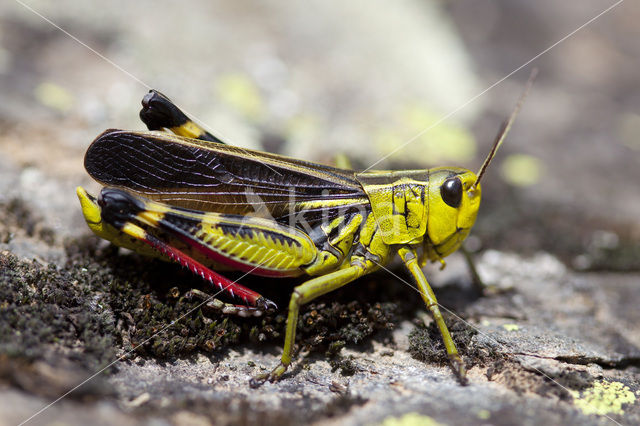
<point x="302" y="294"/>
<point x="411" y="262"/>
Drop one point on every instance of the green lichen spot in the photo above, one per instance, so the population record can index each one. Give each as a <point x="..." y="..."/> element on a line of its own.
<point x="511" y="327"/>
<point x="484" y="414"/>
<point x="433" y="141"/>
<point x="410" y="419"/>
<point x="521" y="170"/>
<point x="54" y="96"/>
<point x="603" y="398"/>
<point x="241" y="93"/>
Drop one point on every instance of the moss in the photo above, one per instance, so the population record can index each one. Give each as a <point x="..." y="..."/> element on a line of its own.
<point x="152" y="313"/>
<point x="103" y="303"/>
<point x="426" y="345"/>
<point x="347" y="366"/>
<point x="351" y="322"/>
<point x="45" y="306"/>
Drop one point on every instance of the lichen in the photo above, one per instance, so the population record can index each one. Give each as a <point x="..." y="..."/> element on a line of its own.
<point x="411" y="419"/>
<point x="603" y="398"/>
<point x="511" y="327"/>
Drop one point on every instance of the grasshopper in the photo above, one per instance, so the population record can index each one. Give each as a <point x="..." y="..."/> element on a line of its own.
<point x="183" y="195"/>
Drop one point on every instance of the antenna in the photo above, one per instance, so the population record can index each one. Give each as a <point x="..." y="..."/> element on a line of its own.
<point x="506" y="126"/>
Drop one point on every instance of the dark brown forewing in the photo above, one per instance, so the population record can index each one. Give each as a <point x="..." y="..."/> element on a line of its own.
<point x="212" y="177"/>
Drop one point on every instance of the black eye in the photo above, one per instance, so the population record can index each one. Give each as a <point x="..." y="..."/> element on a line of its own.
<point x="451" y="191"/>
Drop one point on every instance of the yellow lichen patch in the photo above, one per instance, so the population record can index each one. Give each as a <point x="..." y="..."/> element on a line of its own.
<point x="483" y="414"/>
<point x="428" y="139"/>
<point x="521" y="170"/>
<point x="54" y="96"/>
<point x="242" y="94"/>
<point x="511" y="327"/>
<point x="410" y="419"/>
<point x="341" y="161"/>
<point x="603" y="398"/>
<point x="303" y="126"/>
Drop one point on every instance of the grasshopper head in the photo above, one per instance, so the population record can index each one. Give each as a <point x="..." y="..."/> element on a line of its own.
<point x="454" y="199"/>
<point x="454" y="196"/>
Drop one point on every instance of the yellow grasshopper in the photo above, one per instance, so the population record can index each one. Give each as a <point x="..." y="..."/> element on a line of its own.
<point x="189" y="198"/>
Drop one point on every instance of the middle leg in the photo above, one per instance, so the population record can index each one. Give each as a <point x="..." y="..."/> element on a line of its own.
<point x="410" y="259"/>
<point x="305" y="293"/>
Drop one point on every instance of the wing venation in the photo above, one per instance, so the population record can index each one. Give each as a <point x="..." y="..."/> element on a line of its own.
<point x="202" y="175"/>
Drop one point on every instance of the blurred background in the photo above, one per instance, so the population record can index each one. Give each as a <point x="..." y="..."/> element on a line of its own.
<point x="393" y="85"/>
<point x="398" y="85"/>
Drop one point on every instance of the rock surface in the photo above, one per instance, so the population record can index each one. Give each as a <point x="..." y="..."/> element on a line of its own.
<point x="554" y="340"/>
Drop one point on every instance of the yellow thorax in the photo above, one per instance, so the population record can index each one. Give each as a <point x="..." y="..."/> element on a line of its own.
<point x="409" y="205"/>
<point x="398" y="201"/>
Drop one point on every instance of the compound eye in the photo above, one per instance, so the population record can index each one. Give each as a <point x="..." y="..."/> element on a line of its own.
<point x="451" y="192"/>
